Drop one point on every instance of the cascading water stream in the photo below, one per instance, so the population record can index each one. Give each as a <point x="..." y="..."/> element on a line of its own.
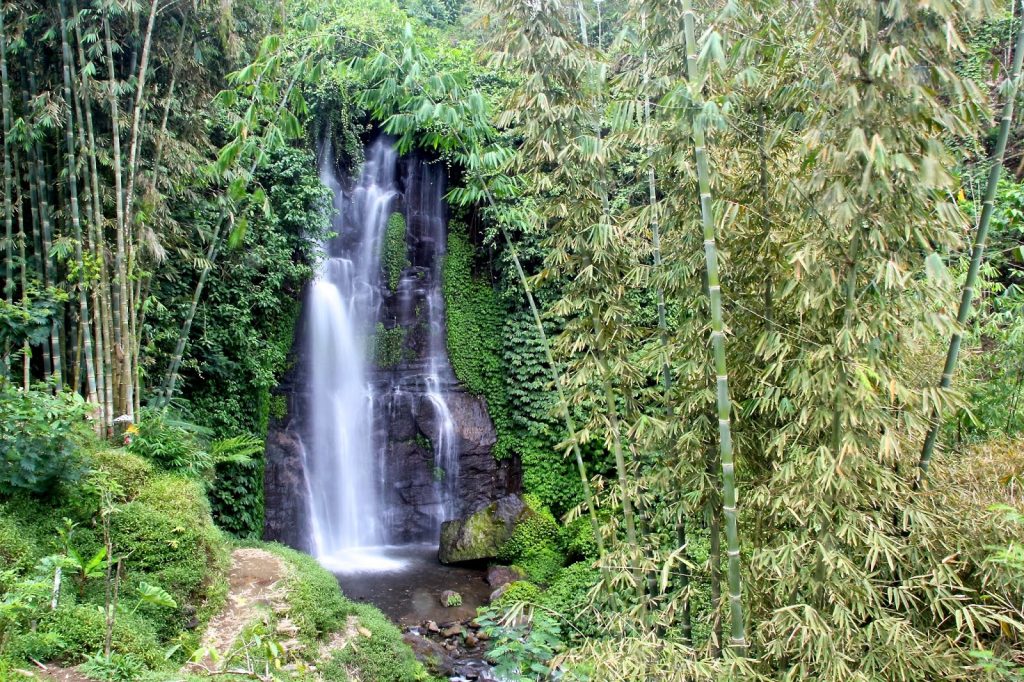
<point x="344" y="444"/>
<point x="341" y="469"/>
<point x="431" y="209"/>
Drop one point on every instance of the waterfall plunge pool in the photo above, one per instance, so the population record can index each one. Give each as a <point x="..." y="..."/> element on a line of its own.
<point x="406" y="582"/>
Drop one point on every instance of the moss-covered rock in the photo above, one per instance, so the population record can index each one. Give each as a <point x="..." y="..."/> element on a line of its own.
<point x="535" y="529"/>
<point x="482" y="534"/>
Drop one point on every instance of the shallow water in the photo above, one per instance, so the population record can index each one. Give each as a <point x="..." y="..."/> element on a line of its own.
<point x="406" y="582"/>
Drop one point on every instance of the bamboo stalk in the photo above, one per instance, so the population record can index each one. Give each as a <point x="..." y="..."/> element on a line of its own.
<point x="119" y="293"/>
<point x="91" y="183"/>
<point x="129" y="206"/>
<point x="5" y="98"/>
<point x="738" y="640"/>
<point x="26" y="359"/>
<point x="49" y="269"/>
<point x="977" y="254"/>
<point x="69" y="139"/>
<point x="35" y="209"/>
<point x="104" y="329"/>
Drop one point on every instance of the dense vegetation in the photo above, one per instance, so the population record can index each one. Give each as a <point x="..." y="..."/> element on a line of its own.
<point x="707" y="265"/>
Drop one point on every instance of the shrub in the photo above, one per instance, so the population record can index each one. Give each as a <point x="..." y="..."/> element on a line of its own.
<point x="116" y="668"/>
<point x="30" y="645"/>
<point x="128" y="472"/>
<point x="18" y="550"/>
<point x="81" y="628"/>
<point x="172" y="540"/>
<point x="519" y="591"/>
<point x="542" y="565"/>
<point x="39" y="437"/>
<point x="577" y="539"/>
<point x="170" y="443"/>
<point x="568" y="595"/>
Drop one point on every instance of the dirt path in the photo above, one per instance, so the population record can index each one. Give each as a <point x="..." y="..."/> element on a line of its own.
<point x="255" y="585"/>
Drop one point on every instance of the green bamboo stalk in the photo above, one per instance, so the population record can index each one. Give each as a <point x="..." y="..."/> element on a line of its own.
<point x="978" y="253"/>
<point x="556" y="379"/>
<point x="211" y="257"/>
<point x="738" y="639"/>
<point x="91" y="183"/>
<point x="35" y="209"/>
<point x="129" y="365"/>
<point x="26" y="358"/>
<point x="8" y="151"/>
<point x="69" y="139"/>
<point x="104" y="330"/>
<point x="119" y="293"/>
<point x="140" y="91"/>
<point x="49" y="267"/>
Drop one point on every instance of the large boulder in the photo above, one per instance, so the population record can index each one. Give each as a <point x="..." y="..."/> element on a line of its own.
<point x="482" y="533"/>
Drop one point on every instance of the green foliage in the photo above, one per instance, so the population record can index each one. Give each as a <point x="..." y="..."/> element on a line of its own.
<point x="517" y="592"/>
<point x="388" y="346"/>
<point x="80" y="628"/>
<point x="172" y="541"/>
<point x="128" y="472"/>
<point x="39" y="438"/>
<point x="244" y="327"/>
<point x="433" y="12"/>
<point x="18" y="549"/>
<point x="454" y="599"/>
<point x="115" y="668"/>
<point x="576" y="539"/>
<point x="542" y="565"/>
<point x="994" y="370"/>
<point x="381" y="656"/>
<point x="394" y="257"/>
<point x="522" y="647"/>
<point x="170" y="443"/>
<point x="536" y="530"/>
<point x="474" y="321"/>
<point x="569" y="596"/>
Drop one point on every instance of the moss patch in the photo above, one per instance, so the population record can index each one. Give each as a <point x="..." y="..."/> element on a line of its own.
<point x="395" y="258"/>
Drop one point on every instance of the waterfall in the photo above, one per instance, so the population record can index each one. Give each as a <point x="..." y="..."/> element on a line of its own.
<point x="351" y="404"/>
<point x="429" y="208"/>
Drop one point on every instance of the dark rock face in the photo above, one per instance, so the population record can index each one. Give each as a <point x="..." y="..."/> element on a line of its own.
<point x="284" y="485"/>
<point x="412" y="495"/>
<point x="482" y="533"/>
